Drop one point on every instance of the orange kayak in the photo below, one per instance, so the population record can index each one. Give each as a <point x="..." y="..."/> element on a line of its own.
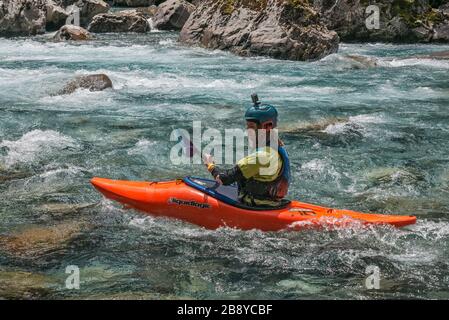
<point x="201" y="202"/>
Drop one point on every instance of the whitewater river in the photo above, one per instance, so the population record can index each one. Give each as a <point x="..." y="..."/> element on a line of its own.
<point x="370" y="139"/>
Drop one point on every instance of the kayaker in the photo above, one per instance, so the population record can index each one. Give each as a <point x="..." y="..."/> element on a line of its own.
<point x="258" y="187"/>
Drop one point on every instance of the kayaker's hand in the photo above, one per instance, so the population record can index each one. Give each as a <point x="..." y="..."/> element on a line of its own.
<point x="217" y="178"/>
<point x="208" y="159"/>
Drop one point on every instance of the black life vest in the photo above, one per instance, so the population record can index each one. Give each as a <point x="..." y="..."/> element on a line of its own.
<point x="273" y="190"/>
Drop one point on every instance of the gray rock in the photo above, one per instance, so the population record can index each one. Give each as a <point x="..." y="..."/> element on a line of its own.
<point x="22" y="17"/>
<point x="278" y="29"/>
<point x="71" y="32"/>
<point x="56" y="16"/>
<point x="172" y="14"/>
<point x="93" y="82"/>
<point x="90" y="8"/>
<point x="441" y="32"/>
<point x="125" y="21"/>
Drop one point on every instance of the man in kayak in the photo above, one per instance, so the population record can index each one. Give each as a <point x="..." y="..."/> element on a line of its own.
<point x="258" y="186"/>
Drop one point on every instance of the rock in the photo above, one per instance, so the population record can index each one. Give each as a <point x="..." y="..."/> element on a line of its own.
<point x="283" y="29"/>
<point x="362" y="62"/>
<point x="439" y="55"/>
<point x="15" y="175"/>
<point x="56" y="16"/>
<point x="22" y="17"/>
<point x="134" y="3"/>
<point x="62" y="209"/>
<point x="93" y="82"/>
<point x="90" y="8"/>
<point x="172" y="14"/>
<point x="147" y="11"/>
<point x="39" y="240"/>
<point x="444" y="9"/>
<point x="441" y="32"/>
<point x="400" y="20"/>
<point x="124" y="21"/>
<point x="24" y="285"/>
<point x="71" y="32"/>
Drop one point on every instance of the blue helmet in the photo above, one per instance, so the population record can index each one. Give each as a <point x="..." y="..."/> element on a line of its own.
<point x="261" y="113"/>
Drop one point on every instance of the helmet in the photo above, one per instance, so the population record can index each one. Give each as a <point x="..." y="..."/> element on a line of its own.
<point x="261" y="113"/>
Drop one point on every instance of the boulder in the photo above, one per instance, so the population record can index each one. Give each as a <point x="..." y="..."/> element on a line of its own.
<point x="56" y="16"/>
<point x="282" y="29"/>
<point x="93" y="82"/>
<point x="90" y="8"/>
<point x="172" y="14"/>
<point x="441" y="32"/>
<point x="125" y="21"/>
<point x="71" y="32"/>
<point x="22" y="17"/>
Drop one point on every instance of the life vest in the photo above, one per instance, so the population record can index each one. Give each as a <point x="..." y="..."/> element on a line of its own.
<point x="273" y="190"/>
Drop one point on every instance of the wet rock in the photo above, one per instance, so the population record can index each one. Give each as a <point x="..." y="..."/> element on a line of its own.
<point x="439" y="55"/>
<point x="90" y="8"/>
<point x="147" y="11"/>
<point x="62" y="209"/>
<point x="172" y="14"/>
<point x="93" y="82"/>
<point x="314" y="126"/>
<point x="22" y="17"/>
<point x="24" y="285"/>
<point x="14" y="175"/>
<point x="40" y="240"/>
<point x="71" y="32"/>
<point x="125" y="21"/>
<point x="56" y="16"/>
<point x="362" y="62"/>
<point x="278" y="29"/>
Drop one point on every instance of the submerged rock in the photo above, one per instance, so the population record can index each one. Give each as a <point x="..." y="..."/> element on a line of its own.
<point x="62" y="209"/>
<point x="125" y="21"/>
<point x="362" y="62"/>
<point x="39" y="240"/>
<point x="71" y="32"/>
<point x="314" y="126"/>
<point x="172" y="14"/>
<point x="24" y="285"/>
<point x="282" y="29"/>
<point x="89" y="9"/>
<point x="93" y="82"/>
<point x="22" y="17"/>
<point x="439" y="55"/>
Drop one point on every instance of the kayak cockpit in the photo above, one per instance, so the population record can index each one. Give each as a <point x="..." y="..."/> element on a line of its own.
<point x="226" y="194"/>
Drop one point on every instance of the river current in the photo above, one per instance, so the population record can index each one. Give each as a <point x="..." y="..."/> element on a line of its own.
<point x="362" y="137"/>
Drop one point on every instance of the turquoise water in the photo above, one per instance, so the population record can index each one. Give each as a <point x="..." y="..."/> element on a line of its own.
<point x="368" y="139"/>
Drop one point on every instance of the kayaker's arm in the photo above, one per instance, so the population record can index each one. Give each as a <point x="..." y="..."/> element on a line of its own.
<point x="227" y="177"/>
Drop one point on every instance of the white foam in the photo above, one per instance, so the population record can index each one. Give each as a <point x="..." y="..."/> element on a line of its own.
<point x="34" y="145"/>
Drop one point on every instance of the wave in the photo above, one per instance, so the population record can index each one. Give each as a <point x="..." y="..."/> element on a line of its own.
<point x="34" y="146"/>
